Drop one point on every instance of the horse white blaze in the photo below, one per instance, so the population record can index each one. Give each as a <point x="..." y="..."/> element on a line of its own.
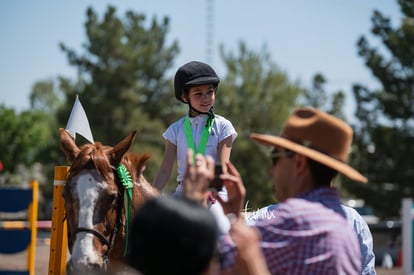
<point x="83" y="252"/>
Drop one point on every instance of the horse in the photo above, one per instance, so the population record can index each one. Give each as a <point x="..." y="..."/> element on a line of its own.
<point x="99" y="205"/>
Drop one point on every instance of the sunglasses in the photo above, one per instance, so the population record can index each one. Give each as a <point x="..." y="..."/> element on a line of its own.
<point x="276" y="155"/>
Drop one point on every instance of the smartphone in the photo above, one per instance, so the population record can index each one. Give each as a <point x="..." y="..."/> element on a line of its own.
<point x="217" y="184"/>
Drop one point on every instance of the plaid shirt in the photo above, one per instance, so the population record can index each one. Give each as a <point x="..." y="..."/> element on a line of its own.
<point x="304" y="235"/>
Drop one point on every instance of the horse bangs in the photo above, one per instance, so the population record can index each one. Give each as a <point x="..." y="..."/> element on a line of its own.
<point x="92" y="156"/>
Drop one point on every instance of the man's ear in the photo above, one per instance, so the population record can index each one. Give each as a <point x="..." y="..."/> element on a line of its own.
<point x="302" y="162"/>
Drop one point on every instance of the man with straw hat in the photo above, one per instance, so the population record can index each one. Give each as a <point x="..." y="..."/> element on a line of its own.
<point x="308" y="232"/>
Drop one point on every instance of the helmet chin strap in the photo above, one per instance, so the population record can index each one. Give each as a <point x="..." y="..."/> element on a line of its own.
<point x="210" y="113"/>
<point x="194" y="110"/>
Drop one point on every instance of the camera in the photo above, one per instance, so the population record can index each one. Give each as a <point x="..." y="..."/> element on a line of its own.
<point x="217" y="184"/>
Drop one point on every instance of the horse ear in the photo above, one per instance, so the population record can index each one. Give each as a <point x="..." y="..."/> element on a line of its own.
<point x="122" y="147"/>
<point x="68" y="145"/>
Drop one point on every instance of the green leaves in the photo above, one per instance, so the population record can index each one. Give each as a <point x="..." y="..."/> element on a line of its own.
<point x="22" y="135"/>
<point x="384" y="133"/>
<point x="256" y="96"/>
<point x="122" y="79"/>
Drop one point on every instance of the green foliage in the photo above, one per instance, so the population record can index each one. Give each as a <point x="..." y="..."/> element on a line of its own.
<point x="318" y="98"/>
<point x="330" y="102"/>
<point x="254" y="88"/>
<point x="122" y="86"/>
<point x="45" y="97"/>
<point x="257" y="97"/>
<point x="28" y="143"/>
<point x="121" y="75"/>
<point x="21" y="136"/>
<point x="121" y="81"/>
<point x="386" y="162"/>
<point x="385" y="134"/>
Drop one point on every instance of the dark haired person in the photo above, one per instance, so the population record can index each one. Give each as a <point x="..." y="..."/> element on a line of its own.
<point x="250" y="259"/>
<point x="201" y="130"/>
<point x="174" y="235"/>
<point x="354" y="218"/>
<point x="308" y="232"/>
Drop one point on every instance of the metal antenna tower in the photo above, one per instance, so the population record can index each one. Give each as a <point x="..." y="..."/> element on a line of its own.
<point x="209" y="31"/>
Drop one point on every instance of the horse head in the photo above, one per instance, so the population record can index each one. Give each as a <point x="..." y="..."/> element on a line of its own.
<point x="97" y="201"/>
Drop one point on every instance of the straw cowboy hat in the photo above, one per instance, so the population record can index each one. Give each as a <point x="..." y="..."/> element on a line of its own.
<point x="318" y="136"/>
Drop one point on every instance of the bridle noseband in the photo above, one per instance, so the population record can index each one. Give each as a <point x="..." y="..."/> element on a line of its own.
<point x="104" y="241"/>
<point x="99" y="235"/>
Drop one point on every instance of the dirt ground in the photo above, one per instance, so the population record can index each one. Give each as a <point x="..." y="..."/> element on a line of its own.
<point x="42" y="261"/>
<point x="18" y="261"/>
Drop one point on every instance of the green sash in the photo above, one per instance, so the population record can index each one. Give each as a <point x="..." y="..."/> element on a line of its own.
<point x="204" y="136"/>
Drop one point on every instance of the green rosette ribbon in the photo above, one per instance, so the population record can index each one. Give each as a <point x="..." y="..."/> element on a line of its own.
<point x="128" y="184"/>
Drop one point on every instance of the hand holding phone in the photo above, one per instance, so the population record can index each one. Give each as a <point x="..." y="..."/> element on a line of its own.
<point x="217" y="184"/>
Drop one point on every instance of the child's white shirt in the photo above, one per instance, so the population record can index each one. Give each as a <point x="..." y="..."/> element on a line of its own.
<point x="175" y="133"/>
<point x="222" y="128"/>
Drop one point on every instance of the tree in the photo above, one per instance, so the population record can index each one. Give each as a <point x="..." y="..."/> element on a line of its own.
<point x="385" y="133"/>
<point x="121" y="80"/>
<point x="257" y="97"/>
<point x="45" y="97"/>
<point x="21" y="136"/>
<point x="121" y="75"/>
<point x="122" y="86"/>
<point x="318" y="98"/>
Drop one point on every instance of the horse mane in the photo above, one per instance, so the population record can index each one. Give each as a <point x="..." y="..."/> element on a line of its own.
<point x="135" y="163"/>
<point x="97" y="156"/>
<point x="98" y="159"/>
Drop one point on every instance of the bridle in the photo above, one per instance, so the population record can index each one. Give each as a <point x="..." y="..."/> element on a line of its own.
<point x="118" y="223"/>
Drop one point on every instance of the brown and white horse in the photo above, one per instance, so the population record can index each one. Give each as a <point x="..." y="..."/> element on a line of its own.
<point x="95" y="201"/>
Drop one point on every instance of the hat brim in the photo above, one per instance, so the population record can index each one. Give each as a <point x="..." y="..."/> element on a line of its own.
<point x="202" y="81"/>
<point x="331" y="162"/>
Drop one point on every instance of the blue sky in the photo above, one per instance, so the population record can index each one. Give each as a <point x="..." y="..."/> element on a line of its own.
<point x="303" y="37"/>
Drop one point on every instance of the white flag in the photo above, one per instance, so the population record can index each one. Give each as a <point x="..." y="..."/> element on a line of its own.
<point x="78" y="122"/>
